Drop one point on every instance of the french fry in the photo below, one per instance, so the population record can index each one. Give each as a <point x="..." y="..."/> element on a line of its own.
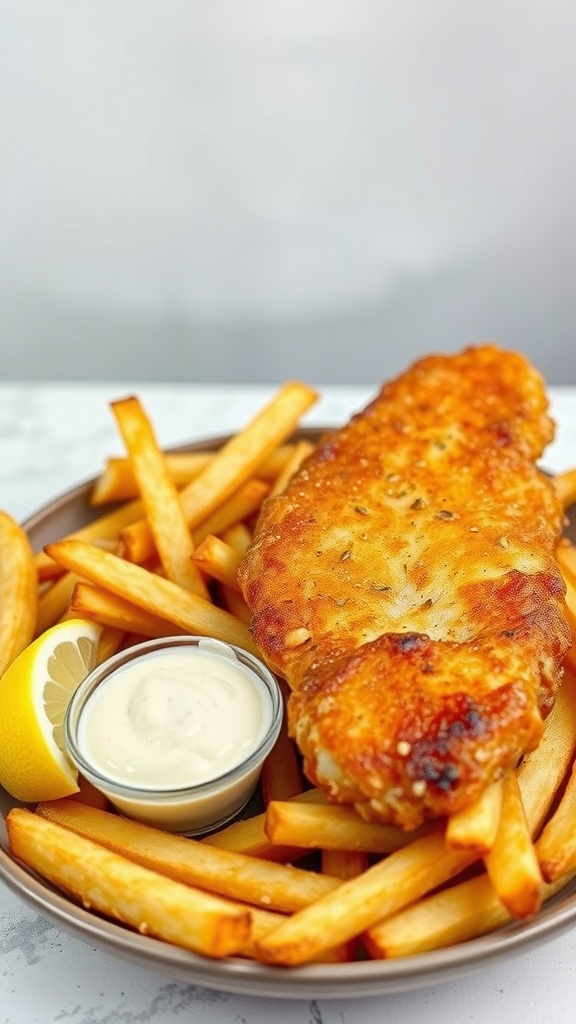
<point x="147" y="901"/>
<point x="556" y="846"/>
<point x="92" y="602"/>
<point x="90" y="796"/>
<point x="237" y="537"/>
<point x="344" y="864"/>
<point x="301" y="451"/>
<point x="232" y="600"/>
<point x="476" y="826"/>
<point x="238" y="459"/>
<point x="471" y="908"/>
<point x="542" y="771"/>
<point x="172" y="538"/>
<point x="566" y="558"/>
<point x="118" y="483"/>
<point x="18" y="591"/>
<point x="106" y="527"/>
<point x="456" y="914"/>
<point x="219" y="560"/>
<point x="329" y="827"/>
<point x="281" y="776"/>
<point x="239" y="506"/>
<point x="110" y="642"/>
<point x="137" y="540"/>
<point x="151" y="592"/>
<point x="234" y="875"/>
<point x="565" y="486"/>
<point x="249" y="835"/>
<point x="394" y="882"/>
<point x="265" y="921"/>
<point x="241" y="456"/>
<point x="55" y="601"/>
<point x="511" y="863"/>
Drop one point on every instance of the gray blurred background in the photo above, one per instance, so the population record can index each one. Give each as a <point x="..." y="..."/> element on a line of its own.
<point x="250" y="190"/>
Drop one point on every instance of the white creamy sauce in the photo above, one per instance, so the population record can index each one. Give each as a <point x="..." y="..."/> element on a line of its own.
<point x="174" y="718"/>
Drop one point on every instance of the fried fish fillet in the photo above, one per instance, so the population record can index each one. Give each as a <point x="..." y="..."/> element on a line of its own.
<point x="405" y="586"/>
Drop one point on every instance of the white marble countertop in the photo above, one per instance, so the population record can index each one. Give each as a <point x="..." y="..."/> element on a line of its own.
<point x="51" y="437"/>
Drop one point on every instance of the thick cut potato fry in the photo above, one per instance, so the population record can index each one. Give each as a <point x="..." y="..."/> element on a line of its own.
<point x="543" y="770"/>
<point x="217" y="559"/>
<point x="18" y="591"/>
<point x="239" y="458"/>
<point x="151" y="592"/>
<point x="110" y="642"/>
<point x="91" y="602"/>
<point x="265" y="921"/>
<point x="249" y="835"/>
<point x="329" y="827"/>
<point x="475" y="827"/>
<point x="55" y="601"/>
<point x="238" y="536"/>
<point x="281" y="777"/>
<point x="472" y="908"/>
<point x="118" y="483"/>
<point x="246" y="501"/>
<point x="344" y="864"/>
<point x="172" y="537"/>
<point x="90" y="796"/>
<point x="301" y="451"/>
<point x="556" y="847"/>
<point x="138" y="542"/>
<point x="149" y="902"/>
<point x="565" y="486"/>
<point x="566" y="558"/>
<point x="106" y="527"/>
<point x="394" y="882"/>
<point x="235" y="875"/>
<point x="511" y="863"/>
<point x="456" y="914"/>
<point x="232" y="600"/>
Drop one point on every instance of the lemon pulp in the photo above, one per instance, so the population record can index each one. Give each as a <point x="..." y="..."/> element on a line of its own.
<point x="35" y="692"/>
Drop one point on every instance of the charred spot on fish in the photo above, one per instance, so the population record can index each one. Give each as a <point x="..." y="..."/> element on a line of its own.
<point x="435" y="770"/>
<point x="406" y="642"/>
<point x="474" y="722"/>
<point x="448" y="777"/>
<point x="436" y="755"/>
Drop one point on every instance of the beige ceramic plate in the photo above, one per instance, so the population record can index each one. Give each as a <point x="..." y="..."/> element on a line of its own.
<point x="241" y="976"/>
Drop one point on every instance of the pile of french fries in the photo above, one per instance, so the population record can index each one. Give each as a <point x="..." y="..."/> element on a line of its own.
<point x="301" y="881"/>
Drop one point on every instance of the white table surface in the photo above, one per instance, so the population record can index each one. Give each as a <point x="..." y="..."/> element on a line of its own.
<point x="53" y="436"/>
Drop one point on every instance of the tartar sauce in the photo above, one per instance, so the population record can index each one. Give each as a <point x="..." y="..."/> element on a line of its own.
<point x="174" y="731"/>
<point x="174" y="718"/>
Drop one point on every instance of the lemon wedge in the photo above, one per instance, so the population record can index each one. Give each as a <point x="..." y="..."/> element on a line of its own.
<point x="35" y="691"/>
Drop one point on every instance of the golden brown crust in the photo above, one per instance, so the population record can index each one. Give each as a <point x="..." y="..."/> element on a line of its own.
<point x="425" y="515"/>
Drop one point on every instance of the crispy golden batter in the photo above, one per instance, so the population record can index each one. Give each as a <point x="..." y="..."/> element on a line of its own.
<point x="406" y="587"/>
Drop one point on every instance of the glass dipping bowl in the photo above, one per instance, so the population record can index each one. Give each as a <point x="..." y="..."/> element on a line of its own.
<point x="187" y="809"/>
